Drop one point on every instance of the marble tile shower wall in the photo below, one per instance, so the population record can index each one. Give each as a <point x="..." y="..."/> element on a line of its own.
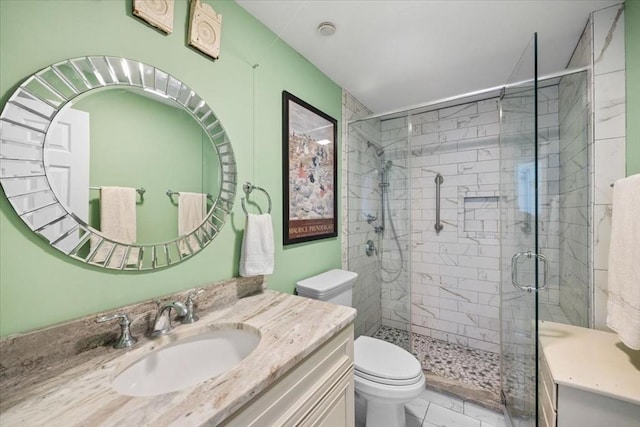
<point x="549" y="193"/>
<point x="360" y="196"/>
<point x="574" y="200"/>
<point x="601" y="47"/>
<point x="394" y="242"/>
<point x="609" y="135"/>
<point x="455" y="275"/>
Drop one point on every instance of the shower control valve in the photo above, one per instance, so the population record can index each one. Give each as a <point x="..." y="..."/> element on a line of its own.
<point x="370" y="248"/>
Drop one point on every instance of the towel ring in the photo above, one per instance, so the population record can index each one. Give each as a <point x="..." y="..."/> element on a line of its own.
<point x="248" y="188"/>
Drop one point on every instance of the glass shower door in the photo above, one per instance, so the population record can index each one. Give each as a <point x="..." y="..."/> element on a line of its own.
<point x="519" y="241"/>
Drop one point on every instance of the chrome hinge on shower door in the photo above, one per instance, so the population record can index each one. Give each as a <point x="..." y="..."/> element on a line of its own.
<point x="514" y="271"/>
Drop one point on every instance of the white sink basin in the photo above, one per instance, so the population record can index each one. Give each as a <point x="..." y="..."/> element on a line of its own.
<point x="187" y="362"/>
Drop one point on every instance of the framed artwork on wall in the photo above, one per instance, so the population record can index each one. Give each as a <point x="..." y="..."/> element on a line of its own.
<point x="310" y="164"/>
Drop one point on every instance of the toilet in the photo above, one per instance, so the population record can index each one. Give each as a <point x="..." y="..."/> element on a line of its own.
<point x="386" y="376"/>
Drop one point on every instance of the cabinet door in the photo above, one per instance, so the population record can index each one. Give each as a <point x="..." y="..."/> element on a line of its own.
<point x="585" y="409"/>
<point x="303" y="390"/>
<point x="336" y="409"/>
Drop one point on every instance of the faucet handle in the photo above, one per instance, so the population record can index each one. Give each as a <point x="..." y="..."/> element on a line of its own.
<point x="190" y="317"/>
<point x="125" y="340"/>
<point x="191" y="295"/>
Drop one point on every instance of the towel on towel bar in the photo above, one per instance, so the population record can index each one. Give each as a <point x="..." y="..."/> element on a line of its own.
<point x="117" y="223"/>
<point x="191" y="212"/>
<point x="623" y="306"/>
<point x="257" y="246"/>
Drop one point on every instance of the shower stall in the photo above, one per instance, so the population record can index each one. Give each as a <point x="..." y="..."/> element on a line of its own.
<point x="512" y="202"/>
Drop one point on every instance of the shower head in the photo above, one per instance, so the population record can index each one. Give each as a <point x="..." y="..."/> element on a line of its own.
<point x="379" y="150"/>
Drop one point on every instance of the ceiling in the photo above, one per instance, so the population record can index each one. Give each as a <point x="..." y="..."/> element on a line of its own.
<point x="395" y="54"/>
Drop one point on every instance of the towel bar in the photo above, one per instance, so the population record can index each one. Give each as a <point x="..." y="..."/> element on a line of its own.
<point x="248" y="188"/>
<point x="170" y="194"/>
<point x="139" y="190"/>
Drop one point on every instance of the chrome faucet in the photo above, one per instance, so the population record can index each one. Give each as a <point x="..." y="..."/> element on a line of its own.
<point x="162" y="325"/>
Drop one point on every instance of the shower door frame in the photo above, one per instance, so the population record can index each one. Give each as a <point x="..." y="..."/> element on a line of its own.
<point x="519" y="243"/>
<point x="491" y="92"/>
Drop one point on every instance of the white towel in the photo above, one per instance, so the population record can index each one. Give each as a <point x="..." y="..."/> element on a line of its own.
<point x="118" y="223"/>
<point x="257" y="246"/>
<point x="191" y="212"/>
<point x="623" y="307"/>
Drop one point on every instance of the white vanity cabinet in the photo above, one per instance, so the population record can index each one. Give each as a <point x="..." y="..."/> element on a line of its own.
<point x="318" y="391"/>
<point x="587" y="379"/>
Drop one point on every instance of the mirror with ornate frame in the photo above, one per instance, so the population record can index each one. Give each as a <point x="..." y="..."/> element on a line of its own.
<point x="31" y="125"/>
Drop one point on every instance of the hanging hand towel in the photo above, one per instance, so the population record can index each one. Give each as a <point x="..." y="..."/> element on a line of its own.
<point x="191" y="212"/>
<point x="118" y="223"/>
<point x="257" y="246"/>
<point x="623" y="307"/>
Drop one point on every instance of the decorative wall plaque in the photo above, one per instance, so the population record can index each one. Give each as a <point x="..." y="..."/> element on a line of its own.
<point x="158" y="13"/>
<point x="205" y="28"/>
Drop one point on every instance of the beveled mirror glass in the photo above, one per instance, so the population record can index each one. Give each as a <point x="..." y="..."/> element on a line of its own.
<point x="184" y="146"/>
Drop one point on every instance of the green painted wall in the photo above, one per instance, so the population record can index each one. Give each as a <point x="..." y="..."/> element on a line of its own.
<point x="632" y="48"/>
<point x="38" y="285"/>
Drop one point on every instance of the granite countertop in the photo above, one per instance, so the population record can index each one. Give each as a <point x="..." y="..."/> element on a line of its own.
<point x="291" y="328"/>
<point x="591" y="360"/>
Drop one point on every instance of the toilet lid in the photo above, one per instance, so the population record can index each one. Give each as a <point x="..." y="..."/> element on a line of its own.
<point x="374" y="358"/>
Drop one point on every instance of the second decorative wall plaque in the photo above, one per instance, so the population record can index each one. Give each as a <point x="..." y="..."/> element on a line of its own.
<point x="204" y="29"/>
<point x="158" y="13"/>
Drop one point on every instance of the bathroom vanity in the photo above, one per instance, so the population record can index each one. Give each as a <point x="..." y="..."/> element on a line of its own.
<point x="588" y="378"/>
<point x="317" y="392"/>
<point x="300" y="372"/>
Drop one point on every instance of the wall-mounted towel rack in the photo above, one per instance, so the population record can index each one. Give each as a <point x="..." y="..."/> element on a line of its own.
<point x="248" y="188"/>
<point x="139" y="190"/>
<point x="170" y="194"/>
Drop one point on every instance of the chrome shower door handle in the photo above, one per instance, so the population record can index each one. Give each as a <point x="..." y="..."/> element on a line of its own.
<point x="546" y="272"/>
<point x="514" y="271"/>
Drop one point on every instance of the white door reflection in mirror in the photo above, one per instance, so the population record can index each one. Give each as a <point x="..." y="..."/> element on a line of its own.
<point x="67" y="163"/>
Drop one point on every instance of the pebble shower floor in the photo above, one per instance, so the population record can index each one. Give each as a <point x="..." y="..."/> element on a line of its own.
<point x="472" y="367"/>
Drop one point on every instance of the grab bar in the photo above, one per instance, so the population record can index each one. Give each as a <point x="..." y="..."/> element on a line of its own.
<point x="439" y="180"/>
<point x="248" y="188"/>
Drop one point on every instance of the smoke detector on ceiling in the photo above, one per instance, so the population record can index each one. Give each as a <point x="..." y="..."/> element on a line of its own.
<point x="326" y="29"/>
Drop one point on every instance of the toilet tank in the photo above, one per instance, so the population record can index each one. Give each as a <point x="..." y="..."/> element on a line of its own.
<point x="334" y="286"/>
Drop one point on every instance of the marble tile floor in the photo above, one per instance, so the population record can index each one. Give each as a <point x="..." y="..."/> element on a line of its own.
<point x="433" y="409"/>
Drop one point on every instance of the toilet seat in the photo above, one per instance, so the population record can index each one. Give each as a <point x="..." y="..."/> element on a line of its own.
<point x="385" y="363"/>
<point x="387" y="381"/>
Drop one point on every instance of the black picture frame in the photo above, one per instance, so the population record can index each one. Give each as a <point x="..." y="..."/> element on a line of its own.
<point x="310" y="172"/>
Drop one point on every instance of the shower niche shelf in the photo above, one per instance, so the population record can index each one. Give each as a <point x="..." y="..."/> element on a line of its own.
<point x="478" y="213"/>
